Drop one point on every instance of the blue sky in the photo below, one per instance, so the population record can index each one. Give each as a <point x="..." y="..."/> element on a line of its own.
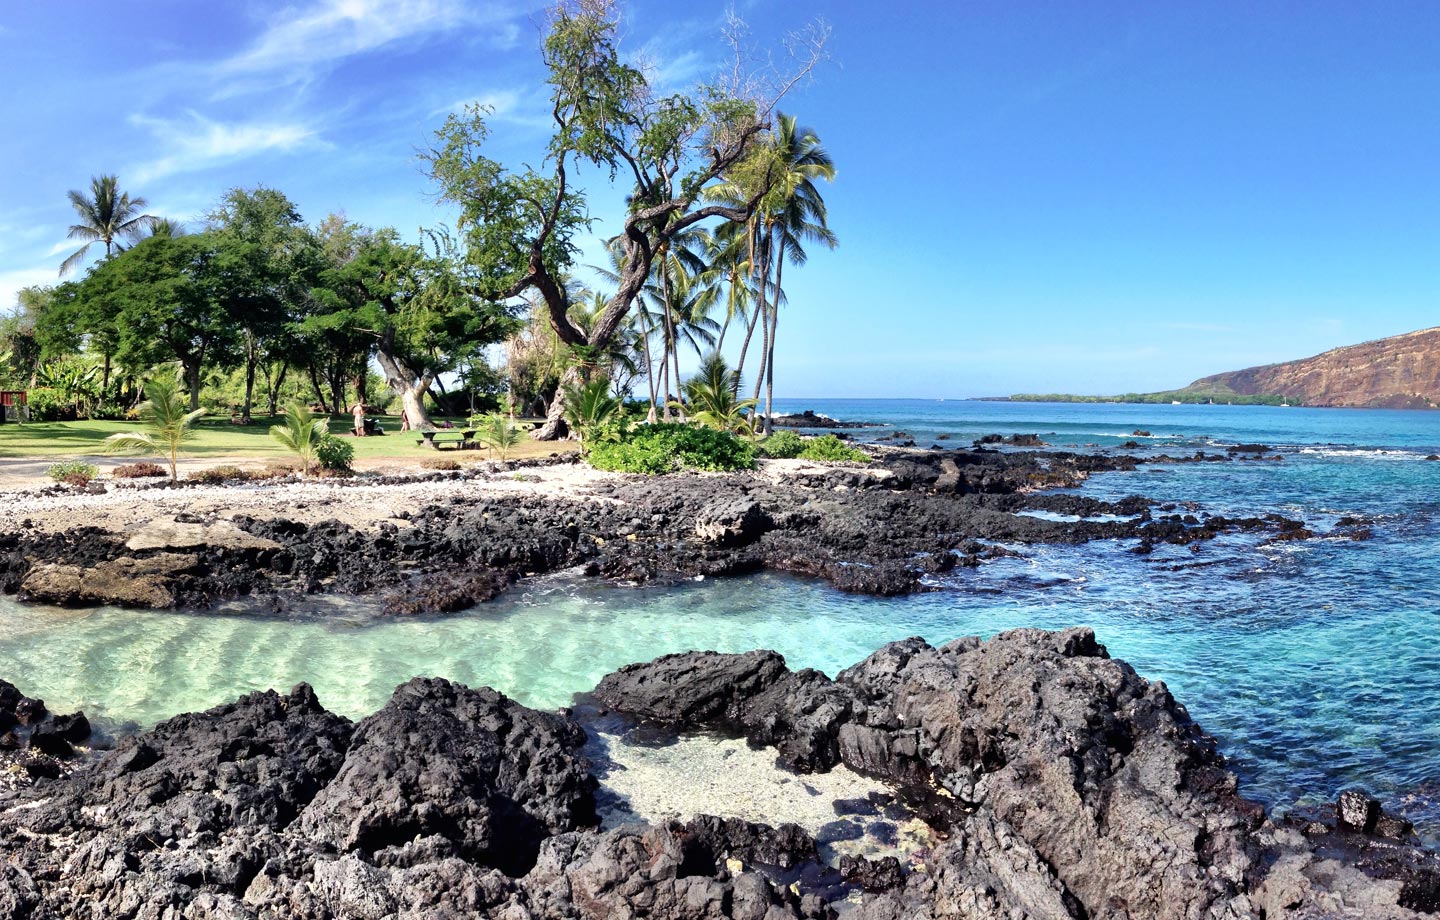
<point x="1087" y="197"/>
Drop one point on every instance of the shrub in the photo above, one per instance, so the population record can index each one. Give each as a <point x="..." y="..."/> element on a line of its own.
<point x="218" y="475"/>
<point x="47" y="404"/>
<point x="588" y="407"/>
<point x="73" y="472"/>
<point x="142" y="470"/>
<point x="335" y="454"/>
<point x="782" y="445"/>
<point x="830" y="448"/>
<point x="440" y="463"/>
<point x="302" y="432"/>
<point x="164" y="411"/>
<point x="499" y="433"/>
<point x="107" y="410"/>
<point x="272" y="470"/>
<point x="665" y="448"/>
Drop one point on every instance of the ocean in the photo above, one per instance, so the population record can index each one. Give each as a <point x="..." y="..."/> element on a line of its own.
<point x="1315" y="663"/>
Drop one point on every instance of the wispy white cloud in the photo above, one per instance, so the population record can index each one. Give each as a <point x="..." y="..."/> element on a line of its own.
<point x="528" y="108"/>
<point x="300" y="39"/>
<point x="679" y="69"/>
<point x="199" y="143"/>
<point x="18" y="235"/>
<point x="671" y="60"/>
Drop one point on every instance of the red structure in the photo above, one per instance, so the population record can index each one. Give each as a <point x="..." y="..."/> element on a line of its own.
<point x="13" y="406"/>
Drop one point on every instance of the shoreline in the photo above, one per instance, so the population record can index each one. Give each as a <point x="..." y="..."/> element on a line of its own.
<point x="442" y="541"/>
<point x="426" y="543"/>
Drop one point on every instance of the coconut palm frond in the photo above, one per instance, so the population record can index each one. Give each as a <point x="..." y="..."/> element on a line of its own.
<point x="107" y="216"/>
<point x="130" y="441"/>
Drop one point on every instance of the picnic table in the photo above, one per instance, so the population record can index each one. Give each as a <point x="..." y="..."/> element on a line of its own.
<point x="433" y="438"/>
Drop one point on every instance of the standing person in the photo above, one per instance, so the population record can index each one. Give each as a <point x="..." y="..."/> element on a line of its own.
<point x="358" y="410"/>
<point x="404" y="421"/>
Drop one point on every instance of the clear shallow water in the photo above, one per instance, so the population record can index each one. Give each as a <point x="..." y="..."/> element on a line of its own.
<point x="1316" y="664"/>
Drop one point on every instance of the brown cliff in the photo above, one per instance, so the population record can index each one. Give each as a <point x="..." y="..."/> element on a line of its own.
<point x="1401" y="372"/>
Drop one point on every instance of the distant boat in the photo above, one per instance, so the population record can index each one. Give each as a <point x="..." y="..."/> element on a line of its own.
<point x="1174" y="402"/>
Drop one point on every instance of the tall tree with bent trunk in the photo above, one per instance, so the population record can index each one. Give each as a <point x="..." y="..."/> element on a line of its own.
<point x="416" y="308"/>
<point x="519" y="227"/>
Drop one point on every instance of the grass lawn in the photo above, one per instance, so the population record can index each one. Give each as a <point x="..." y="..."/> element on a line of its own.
<point x="217" y="438"/>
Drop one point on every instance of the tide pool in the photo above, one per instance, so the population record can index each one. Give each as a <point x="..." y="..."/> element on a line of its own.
<point x="1315" y="663"/>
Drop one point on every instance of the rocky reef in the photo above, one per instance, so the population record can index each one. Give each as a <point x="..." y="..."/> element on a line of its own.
<point x="1060" y="784"/>
<point x="36" y="743"/>
<point x="883" y="529"/>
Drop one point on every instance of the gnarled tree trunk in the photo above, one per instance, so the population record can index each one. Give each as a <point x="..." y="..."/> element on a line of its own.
<point x="555" y="426"/>
<point x="409" y="385"/>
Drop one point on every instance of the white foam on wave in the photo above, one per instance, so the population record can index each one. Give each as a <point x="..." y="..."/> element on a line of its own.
<point x="1378" y="453"/>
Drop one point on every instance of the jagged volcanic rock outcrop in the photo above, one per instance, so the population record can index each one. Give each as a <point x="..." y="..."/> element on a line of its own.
<point x="446" y="802"/>
<point x="1399" y="372"/>
<point x="1062" y="785"/>
<point x="35" y="742"/>
<point x="1075" y="787"/>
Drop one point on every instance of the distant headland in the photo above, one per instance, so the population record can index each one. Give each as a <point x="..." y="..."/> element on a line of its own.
<point x="1399" y="372"/>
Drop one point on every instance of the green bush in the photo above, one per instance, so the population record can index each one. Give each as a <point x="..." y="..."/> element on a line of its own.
<point x="335" y="453"/>
<point x="47" y="404"/>
<point x="830" y="448"/>
<point x="665" y="448"/>
<point x="781" y="445"/>
<point x="499" y="433"/>
<point x="73" y="472"/>
<point x="107" y="410"/>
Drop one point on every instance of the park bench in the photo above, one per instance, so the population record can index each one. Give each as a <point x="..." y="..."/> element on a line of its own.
<point x="434" y="438"/>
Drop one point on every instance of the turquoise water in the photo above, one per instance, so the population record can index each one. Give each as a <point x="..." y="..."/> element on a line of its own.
<point x="1316" y="663"/>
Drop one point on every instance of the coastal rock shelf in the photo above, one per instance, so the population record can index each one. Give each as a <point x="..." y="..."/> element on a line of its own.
<point x="885" y="529"/>
<point x="1058" y="783"/>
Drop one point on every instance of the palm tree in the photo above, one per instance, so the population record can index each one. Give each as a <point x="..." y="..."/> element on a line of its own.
<point x="791" y="214"/>
<point x="711" y="395"/>
<point x="106" y="216"/>
<point x="645" y="322"/>
<point x="301" y="433"/>
<point x="588" y="406"/>
<point x="165" y="226"/>
<point x="730" y="269"/>
<point x="170" y="425"/>
<point x="499" y="433"/>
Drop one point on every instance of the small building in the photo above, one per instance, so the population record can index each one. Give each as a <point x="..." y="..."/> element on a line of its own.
<point x="13" y="406"/>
